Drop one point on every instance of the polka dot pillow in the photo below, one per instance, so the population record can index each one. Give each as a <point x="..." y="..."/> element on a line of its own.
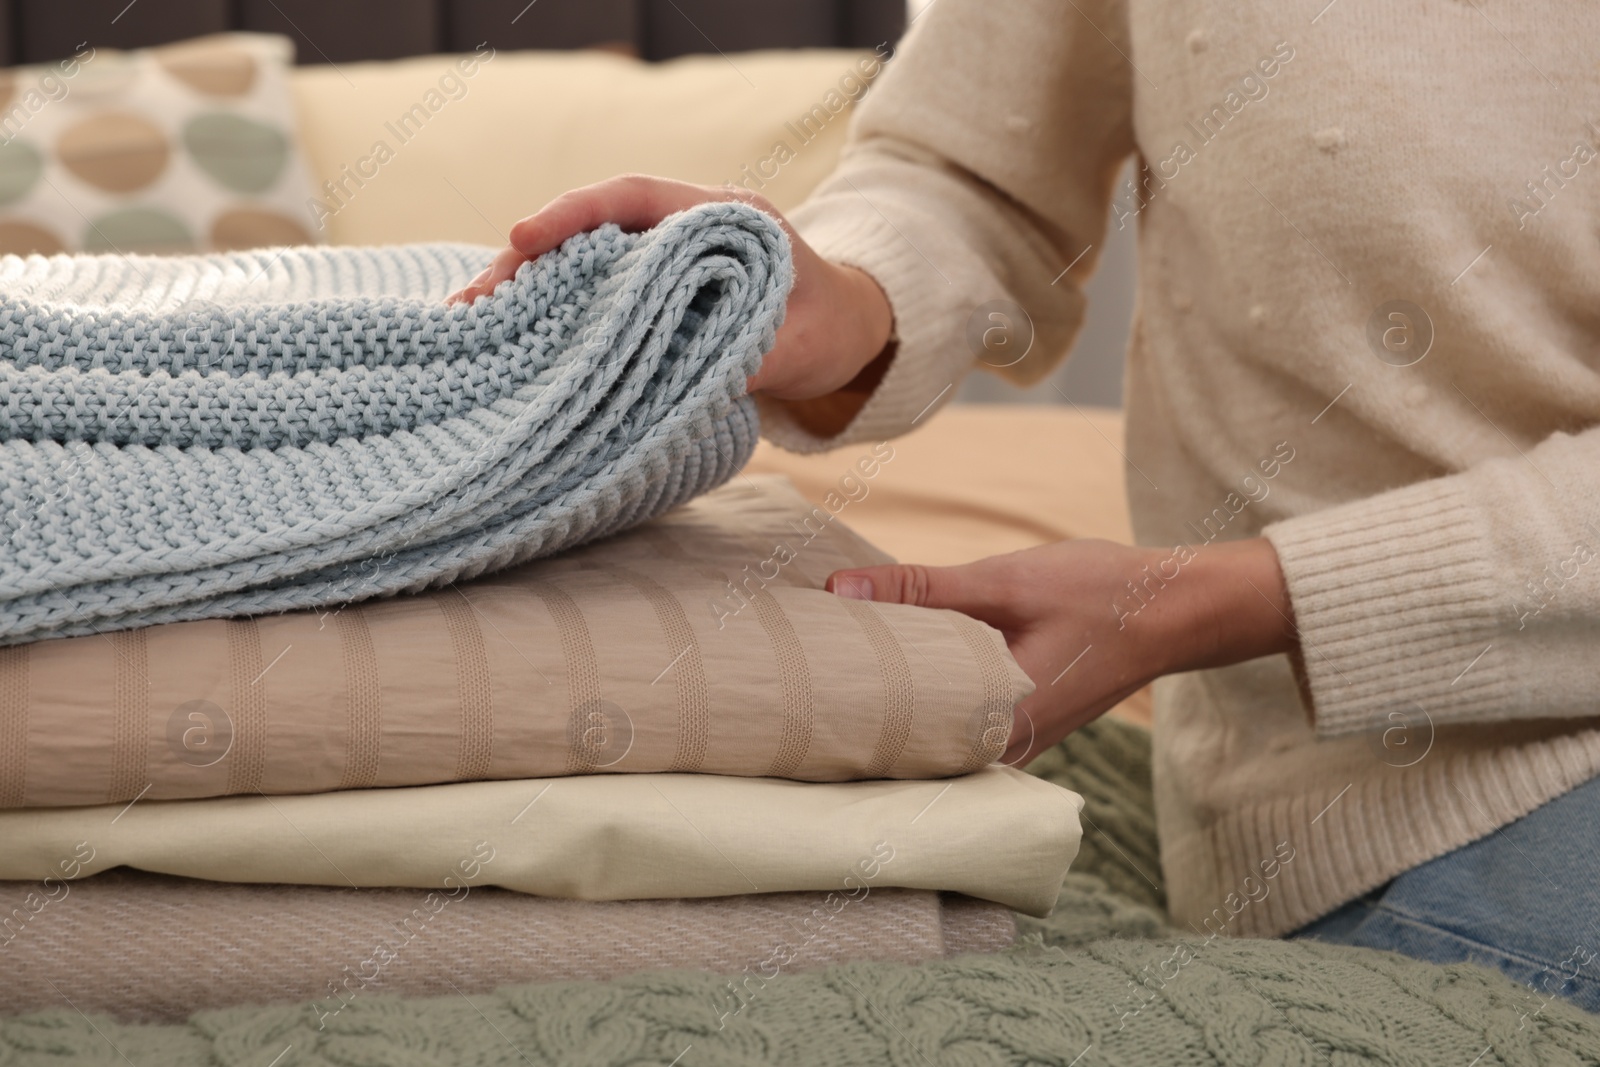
<point x="185" y="148"/>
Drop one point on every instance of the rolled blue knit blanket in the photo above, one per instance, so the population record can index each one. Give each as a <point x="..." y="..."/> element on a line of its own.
<point x="204" y="436"/>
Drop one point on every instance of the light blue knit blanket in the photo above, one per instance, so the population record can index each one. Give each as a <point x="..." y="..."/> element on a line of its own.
<point x="256" y="432"/>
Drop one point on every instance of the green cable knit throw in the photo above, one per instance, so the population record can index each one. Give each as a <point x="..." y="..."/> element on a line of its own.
<point x="1061" y="996"/>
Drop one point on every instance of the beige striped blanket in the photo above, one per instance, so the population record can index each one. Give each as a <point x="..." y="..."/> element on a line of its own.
<point x="701" y="642"/>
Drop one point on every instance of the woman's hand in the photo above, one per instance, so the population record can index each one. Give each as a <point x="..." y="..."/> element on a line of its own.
<point x="838" y="320"/>
<point x="1092" y="622"/>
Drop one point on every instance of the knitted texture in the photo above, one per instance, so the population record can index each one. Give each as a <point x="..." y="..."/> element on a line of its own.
<point x="1060" y="997"/>
<point x="1245" y="1002"/>
<point x="1108" y="764"/>
<point x="1454" y="618"/>
<point x="234" y="434"/>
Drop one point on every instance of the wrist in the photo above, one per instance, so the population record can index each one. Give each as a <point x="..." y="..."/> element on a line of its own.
<point x="1232" y="606"/>
<point x="866" y="319"/>
<point x="857" y="346"/>
<point x="828" y="415"/>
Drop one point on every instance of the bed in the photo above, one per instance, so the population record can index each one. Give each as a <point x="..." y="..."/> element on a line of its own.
<point x="1103" y="980"/>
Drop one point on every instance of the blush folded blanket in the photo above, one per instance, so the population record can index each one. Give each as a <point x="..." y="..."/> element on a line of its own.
<point x="153" y="948"/>
<point x="206" y="436"/>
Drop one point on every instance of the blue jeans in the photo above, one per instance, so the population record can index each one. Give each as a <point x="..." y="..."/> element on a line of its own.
<point x="1525" y="901"/>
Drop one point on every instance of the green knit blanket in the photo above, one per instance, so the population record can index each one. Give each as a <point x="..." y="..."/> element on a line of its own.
<point x="1103" y="981"/>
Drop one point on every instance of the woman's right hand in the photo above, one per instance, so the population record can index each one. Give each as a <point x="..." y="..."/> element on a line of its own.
<point x="838" y="319"/>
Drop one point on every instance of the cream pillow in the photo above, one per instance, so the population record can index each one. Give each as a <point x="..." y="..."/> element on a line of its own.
<point x="188" y="147"/>
<point x="700" y="642"/>
<point x="459" y="147"/>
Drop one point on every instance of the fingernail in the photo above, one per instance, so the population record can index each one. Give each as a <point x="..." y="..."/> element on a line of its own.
<point x="853" y="587"/>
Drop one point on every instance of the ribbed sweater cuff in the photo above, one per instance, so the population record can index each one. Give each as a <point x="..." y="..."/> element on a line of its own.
<point x="931" y="358"/>
<point x="1394" y="604"/>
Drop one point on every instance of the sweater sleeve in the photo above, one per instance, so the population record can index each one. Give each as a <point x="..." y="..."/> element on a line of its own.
<point x="1473" y="597"/>
<point x="979" y="168"/>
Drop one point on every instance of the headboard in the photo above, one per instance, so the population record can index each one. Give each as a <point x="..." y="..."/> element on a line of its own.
<point x="344" y="31"/>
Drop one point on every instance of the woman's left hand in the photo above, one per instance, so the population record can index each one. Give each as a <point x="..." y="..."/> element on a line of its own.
<point x="1092" y="622"/>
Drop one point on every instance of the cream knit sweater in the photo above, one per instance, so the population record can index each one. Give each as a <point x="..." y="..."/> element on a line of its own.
<point x="1438" y="522"/>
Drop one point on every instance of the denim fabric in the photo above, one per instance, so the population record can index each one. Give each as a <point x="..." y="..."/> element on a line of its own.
<point x="1524" y="900"/>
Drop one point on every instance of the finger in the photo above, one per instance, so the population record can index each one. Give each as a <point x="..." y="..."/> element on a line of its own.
<point x="505" y="266"/>
<point x="460" y="295"/>
<point x="905" y="583"/>
<point x="633" y="202"/>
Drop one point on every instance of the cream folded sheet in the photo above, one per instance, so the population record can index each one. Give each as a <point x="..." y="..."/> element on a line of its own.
<point x="997" y="834"/>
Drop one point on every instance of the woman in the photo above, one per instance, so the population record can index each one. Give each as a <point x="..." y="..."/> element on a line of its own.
<point x="1362" y="396"/>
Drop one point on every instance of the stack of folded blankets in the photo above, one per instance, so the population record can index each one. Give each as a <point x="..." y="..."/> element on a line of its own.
<point x="351" y="643"/>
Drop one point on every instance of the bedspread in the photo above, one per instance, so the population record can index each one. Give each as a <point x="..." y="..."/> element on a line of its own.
<point x="1098" y="982"/>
